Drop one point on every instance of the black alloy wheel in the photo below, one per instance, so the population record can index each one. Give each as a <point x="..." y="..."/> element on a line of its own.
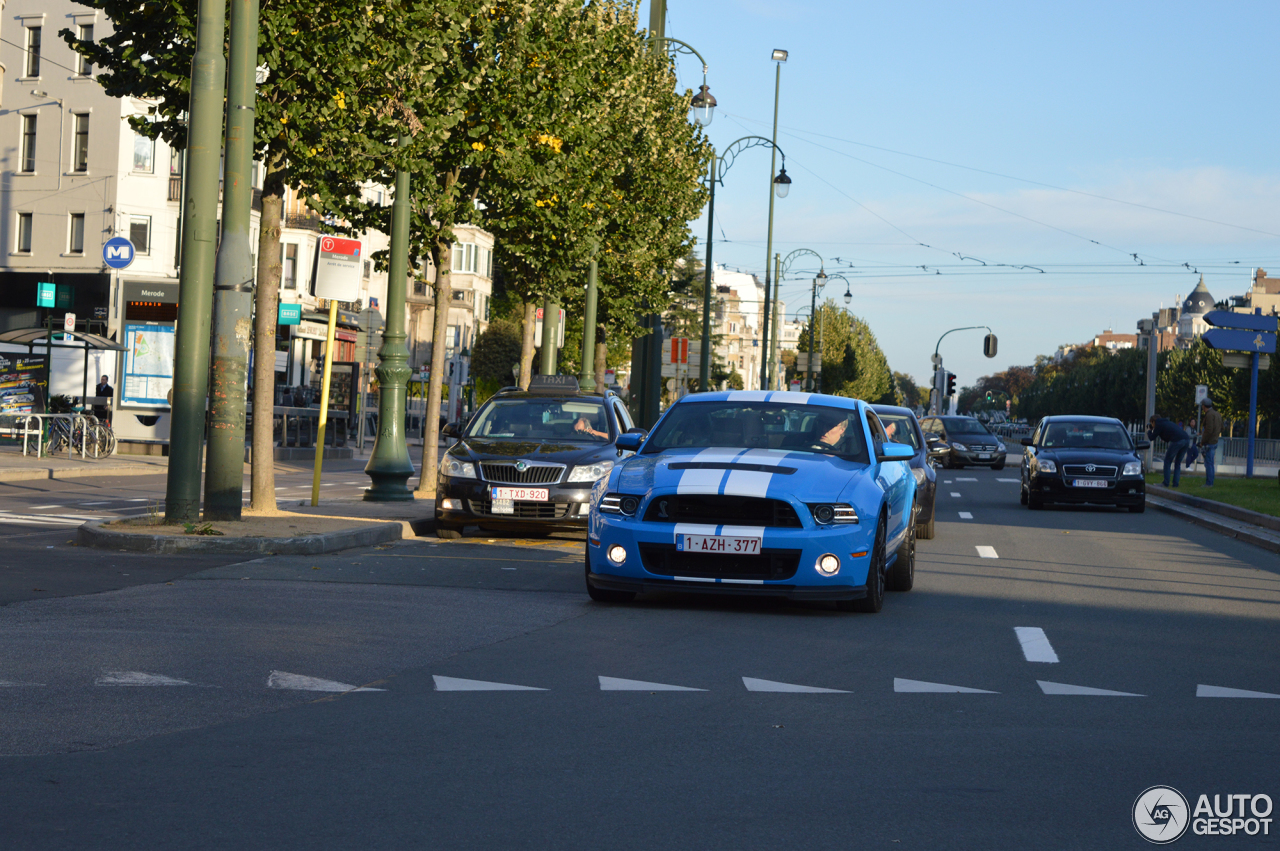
<point x="874" y="600"/>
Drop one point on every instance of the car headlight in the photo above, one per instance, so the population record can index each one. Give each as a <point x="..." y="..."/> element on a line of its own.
<point x="590" y="472"/>
<point x="959" y="446"/>
<point x="918" y="472"/>
<point x="828" y="513"/>
<point x="450" y="466"/>
<point x="1048" y="467"/>
<point x="1132" y="468"/>
<point x="619" y="503"/>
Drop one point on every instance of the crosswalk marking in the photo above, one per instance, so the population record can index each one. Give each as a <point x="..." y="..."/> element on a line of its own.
<point x="986" y="552"/>
<point x="457" y="684"/>
<point x="754" y="684"/>
<point x="1222" y="691"/>
<point x="1035" y="644"/>
<point x="920" y="687"/>
<point x="300" y="682"/>
<point x="1063" y="688"/>
<point x="618" y="684"/>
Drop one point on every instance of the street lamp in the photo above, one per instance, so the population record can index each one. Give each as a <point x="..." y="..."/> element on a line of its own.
<point x="819" y="281"/>
<point x="771" y="342"/>
<point x="781" y="186"/>
<point x="782" y="183"/>
<point x="719" y="167"/>
<point x="702" y="106"/>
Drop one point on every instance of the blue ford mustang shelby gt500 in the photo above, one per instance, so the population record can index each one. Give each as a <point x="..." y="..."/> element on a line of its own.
<point x="793" y="495"/>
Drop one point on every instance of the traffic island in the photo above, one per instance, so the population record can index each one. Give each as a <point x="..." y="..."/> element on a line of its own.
<point x="1253" y="527"/>
<point x="267" y="533"/>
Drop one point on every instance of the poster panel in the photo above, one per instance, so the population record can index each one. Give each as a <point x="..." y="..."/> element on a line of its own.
<point x="148" y="365"/>
<point x="24" y="384"/>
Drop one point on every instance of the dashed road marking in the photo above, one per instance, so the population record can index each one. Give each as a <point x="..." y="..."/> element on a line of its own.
<point x="921" y="687"/>
<point x="1063" y="688"/>
<point x="965" y="515"/>
<point x="1222" y="691"/>
<point x="458" y="684"/>
<point x="616" y="684"/>
<point x="754" y="684"/>
<point x="138" y="678"/>
<point x="946" y="481"/>
<point x="43" y="507"/>
<point x="966" y="480"/>
<point x="1010" y="481"/>
<point x="955" y="493"/>
<point x="300" y="682"/>
<point x="986" y="552"/>
<point x="1035" y="644"/>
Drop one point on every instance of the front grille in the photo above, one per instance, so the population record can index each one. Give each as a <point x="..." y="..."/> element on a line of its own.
<point x="666" y="560"/>
<point x="975" y="448"/>
<point x="722" y="509"/>
<point x="505" y="472"/>
<point x="1098" y="472"/>
<point x="524" y="510"/>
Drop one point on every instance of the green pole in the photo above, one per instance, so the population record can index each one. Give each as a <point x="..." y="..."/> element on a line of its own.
<point x="389" y="465"/>
<point x="771" y="345"/>
<point x="768" y="248"/>
<point x="550" y="336"/>
<point x="813" y="306"/>
<point x="233" y="279"/>
<point x="588" y="380"/>
<point x="199" y="243"/>
<point x="704" y="366"/>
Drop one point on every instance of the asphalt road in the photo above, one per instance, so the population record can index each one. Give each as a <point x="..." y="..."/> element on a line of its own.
<point x="183" y="715"/>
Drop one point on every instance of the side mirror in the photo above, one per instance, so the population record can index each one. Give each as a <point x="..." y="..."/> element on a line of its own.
<point x="932" y="438"/>
<point x="895" y="452"/>
<point x="630" y="441"/>
<point x="1141" y="444"/>
<point x="450" y="430"/>
<point x="1026" y="441"/>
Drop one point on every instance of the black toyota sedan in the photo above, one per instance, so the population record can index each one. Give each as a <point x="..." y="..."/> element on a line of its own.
<point x="527" y="460"/>
<point x="1077" y="459"/>
<point x="963" y="442"/>
<point x="902" y="427"/>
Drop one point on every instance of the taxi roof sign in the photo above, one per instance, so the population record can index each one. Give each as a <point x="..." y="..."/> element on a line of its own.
<point x="553" y="384"/>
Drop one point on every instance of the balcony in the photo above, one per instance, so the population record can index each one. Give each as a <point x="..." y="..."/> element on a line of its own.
<point x="175" y="187"/>
<point x="305" y="221"/>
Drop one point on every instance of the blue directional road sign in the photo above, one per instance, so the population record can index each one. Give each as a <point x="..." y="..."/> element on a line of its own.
<point x="1233" y="340"/>
<point x="117" y="252"/>
<point x="1248" y="321"/>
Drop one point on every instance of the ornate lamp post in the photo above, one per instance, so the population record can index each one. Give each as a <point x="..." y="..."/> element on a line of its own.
<point x="771" y="344"/>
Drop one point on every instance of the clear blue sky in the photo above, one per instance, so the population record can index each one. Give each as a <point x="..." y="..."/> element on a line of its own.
<point x="1033" y="109"/>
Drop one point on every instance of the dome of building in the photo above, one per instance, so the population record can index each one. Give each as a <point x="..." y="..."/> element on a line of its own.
<point x="1199" y="302"/>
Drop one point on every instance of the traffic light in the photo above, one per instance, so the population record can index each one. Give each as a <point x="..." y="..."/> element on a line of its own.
<point x="951" y="383"/>
<point x="990" y="396"/>
<point x="989" y="345"/>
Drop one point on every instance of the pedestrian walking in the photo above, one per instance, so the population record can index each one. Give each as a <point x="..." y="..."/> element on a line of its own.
<point x="1178" y="440"/>
<point x="104" y="390"/>
<point x="1210" y="434"/>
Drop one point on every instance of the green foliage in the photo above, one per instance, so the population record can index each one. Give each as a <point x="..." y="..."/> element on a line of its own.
<point x="1095" y="382"/>
<point x="907" y="393"/>
<point x="496" y="351"/>
<point x="735" y="380"/>
<point x="852" y="361"/>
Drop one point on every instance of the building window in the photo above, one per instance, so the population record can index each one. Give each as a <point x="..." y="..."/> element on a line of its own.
<point x="289" y="264"/>
<point x="33" y="51"/>
<point x="29" y="143"/>
<point x="83" y="66"/>
<point x="75" y="241"/>
<point x="24" y="233"/>
<point x="175" y="162"/>
<point x="368" y="269"/>
<point x="140" y="234"/>
<point x="144" y="153"/>
<point x="464" y="258"/>
<point x="80" y="144"/>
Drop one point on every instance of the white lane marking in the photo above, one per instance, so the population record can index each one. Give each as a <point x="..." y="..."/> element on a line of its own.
<point x="946" y="481"/>
<point x="457" y="684"/>
<point x="921" y="687"/>
<point x="1010" y="481"/>
<point x="965" y="515"/>
<point x="1223" y="691"/>
<point x="966" y="480"/>
<point x="327" y="485"/>
<point x="12" y="684"/>
<point x="754" y="684"/>
<point x="137" y="678"/>
<point x="1063" y="688"/>
<point x="987" y="552"/>
<point x="616" y="684"/>
<point x="43" y="507"/>
<point x="301" y="682"/>
<point x="955" y="493"/>
<point x="1035" y="644"/>
<point x="35" y="520"/>
<point x="93" y="503"/>
<point x="136" y="500"/>
<point x="355" y="483"/>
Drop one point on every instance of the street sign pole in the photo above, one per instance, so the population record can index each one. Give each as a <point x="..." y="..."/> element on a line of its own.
<point x="1253" y="414"/>
<point x="1244" y="332"/>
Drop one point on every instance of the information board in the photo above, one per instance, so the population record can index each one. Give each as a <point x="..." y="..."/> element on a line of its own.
<point x="148" y="364"/>
<point x="24" y="384"/>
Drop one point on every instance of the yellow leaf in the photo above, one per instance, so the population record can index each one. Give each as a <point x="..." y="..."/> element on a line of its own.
<point x="477" y="146"/>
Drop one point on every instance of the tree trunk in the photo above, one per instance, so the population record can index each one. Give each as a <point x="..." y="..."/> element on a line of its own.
<point x="527" y="344"/>
<point x="442" y="255"/>
<point x="602" y="351"/>
<point x="262" y="488"/>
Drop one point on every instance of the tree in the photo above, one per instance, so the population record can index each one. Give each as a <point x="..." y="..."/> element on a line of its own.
<point x="909" y="394"/>
<point x="852" y="361"/>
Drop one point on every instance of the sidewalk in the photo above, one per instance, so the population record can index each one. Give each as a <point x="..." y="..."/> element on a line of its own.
<point x="16" y="467"/>
<point x="1261" y="530"/>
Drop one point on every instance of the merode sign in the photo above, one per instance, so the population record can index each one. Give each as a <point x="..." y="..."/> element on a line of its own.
<point x="338" y="269"/>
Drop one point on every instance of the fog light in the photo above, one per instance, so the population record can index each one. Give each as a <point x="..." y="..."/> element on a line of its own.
<point x="828" y="565"/>
<point x="451" y="504"/>
<point x="618" y="554"/>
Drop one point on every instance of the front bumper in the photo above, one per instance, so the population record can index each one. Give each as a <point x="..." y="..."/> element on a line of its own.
<point x="566" y="507"/>
<point x="786" y="566"/>
<point x="1127" y="490"/>
<point x="972" y="458"/>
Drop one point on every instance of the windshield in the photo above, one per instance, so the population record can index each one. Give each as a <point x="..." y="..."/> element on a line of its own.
<point x="900" y="429"/>
<point x="761" y="425"/>
<point x="581" y="420"/>
<point x="965" y="425"/>
<point x="1086" y="436"/>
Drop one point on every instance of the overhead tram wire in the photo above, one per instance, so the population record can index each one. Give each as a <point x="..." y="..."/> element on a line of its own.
<point x="1014" y="177"/>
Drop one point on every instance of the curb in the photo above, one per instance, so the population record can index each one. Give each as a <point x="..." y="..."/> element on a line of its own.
<point x="1241" y="531"/>
<point x="92" y="534"/>
<point x="1242" y="515"/>
<point x="28" y="474"/>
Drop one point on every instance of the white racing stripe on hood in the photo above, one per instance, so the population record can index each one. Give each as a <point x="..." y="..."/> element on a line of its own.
<point x="791" y="398"/>
<point x="748" y="395"/>
<point x="752" y="482"/>
<point x="692" y="529"/>
<point x="705" y="481"/>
